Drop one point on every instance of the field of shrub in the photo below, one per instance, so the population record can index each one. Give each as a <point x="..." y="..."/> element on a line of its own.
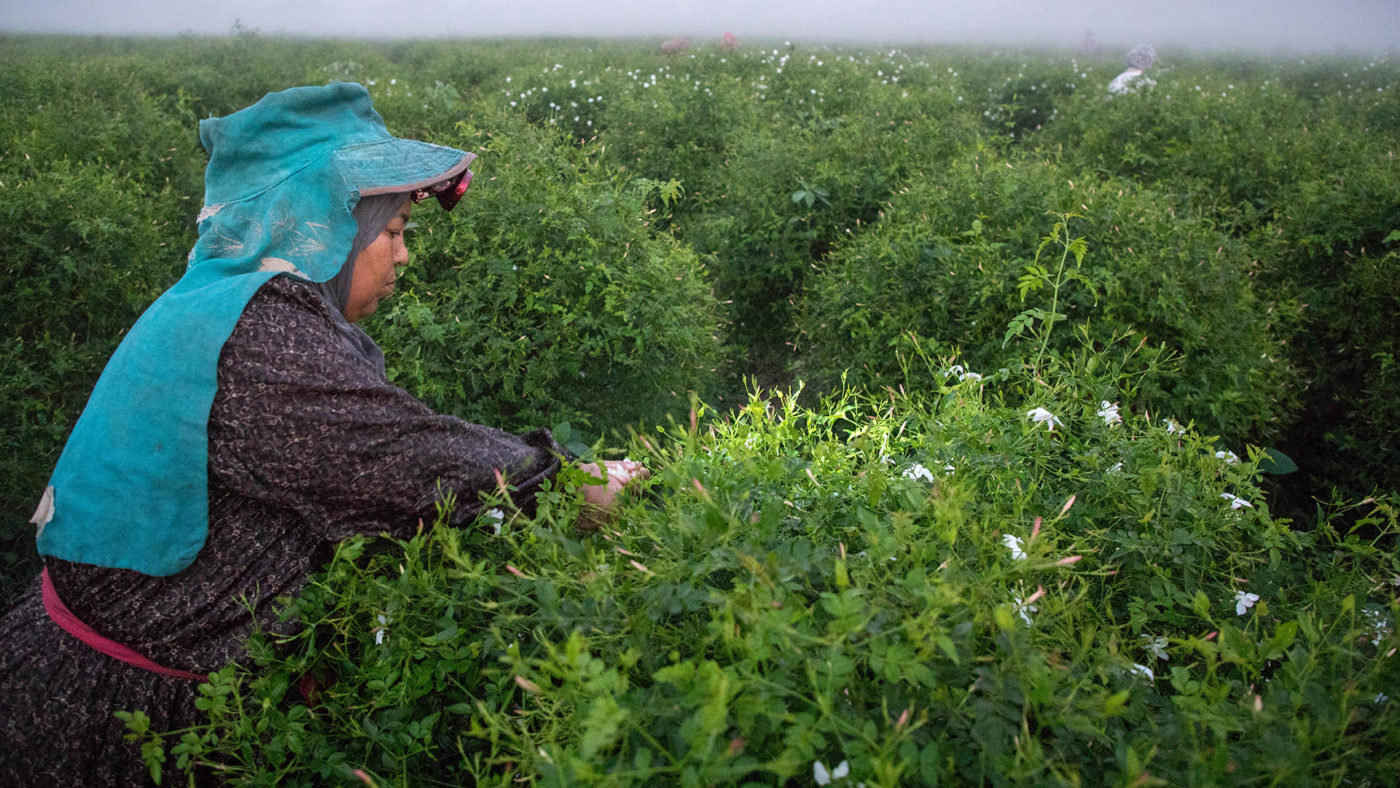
<point x="1002" y="431"/>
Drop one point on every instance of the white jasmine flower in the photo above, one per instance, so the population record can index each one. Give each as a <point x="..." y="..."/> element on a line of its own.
<point x="1244" y="601"/>
<point x="963" y="374"/>
<point x="1142" y="670"/>
<point x="381" y="629"/>
<point x="1236" y="502"/>
<point x="1024" y="610"/>
<point x="824" y="777"/>
<point x="1381" y="697"/>
<point x="917" y="471"/>
<point x="495" y="517"/>
<point x="1109" y="413"/>
<point x="1380" y="627"/>
<point x="949" y="470"/>
<point x="1228" y="456"/>
<point x="1043" y="416"/>
<point x="1156" y="647"/>
<point x="1013" y="543"/>
<point x="1117" y="467"/>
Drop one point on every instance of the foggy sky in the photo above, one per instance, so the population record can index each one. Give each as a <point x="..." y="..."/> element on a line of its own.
<point x="1361" y="25"/>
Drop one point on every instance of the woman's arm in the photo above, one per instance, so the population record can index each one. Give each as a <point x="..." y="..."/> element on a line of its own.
<point x="302" y="422"/>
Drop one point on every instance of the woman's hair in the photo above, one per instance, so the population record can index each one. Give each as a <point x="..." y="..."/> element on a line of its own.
<point x="1142" y="56"/>
<point x="372" y="215"/>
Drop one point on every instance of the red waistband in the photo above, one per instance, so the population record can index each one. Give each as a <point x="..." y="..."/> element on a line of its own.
<point x="74" y="626"/>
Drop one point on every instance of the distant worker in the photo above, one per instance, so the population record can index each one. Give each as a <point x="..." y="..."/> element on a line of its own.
<point x="1140" y="58"/>
<point x="728" y="41"/>
<point x="1091" y="44"/>
<point x="675" y="46"/>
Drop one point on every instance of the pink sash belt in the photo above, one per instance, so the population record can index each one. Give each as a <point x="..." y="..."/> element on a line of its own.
<point x="74" y="626"/>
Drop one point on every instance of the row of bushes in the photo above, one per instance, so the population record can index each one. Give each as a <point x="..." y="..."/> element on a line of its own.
<point x="917" y="588"/>
<point x="647" y="228"/>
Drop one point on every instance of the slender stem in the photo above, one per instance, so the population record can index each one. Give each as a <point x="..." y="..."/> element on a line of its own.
<point x="1055" y="295"/>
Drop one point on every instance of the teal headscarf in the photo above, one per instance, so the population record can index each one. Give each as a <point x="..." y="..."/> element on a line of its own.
<point x="131" y="487"/>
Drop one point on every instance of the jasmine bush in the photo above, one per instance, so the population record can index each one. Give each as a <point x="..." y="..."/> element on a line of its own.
<point x="1298" y="159"/>
<point x="937" y="268"/>
<point x="552" y="298"/>
<point x="952" y="584"/>
<point x="91" y="179"/>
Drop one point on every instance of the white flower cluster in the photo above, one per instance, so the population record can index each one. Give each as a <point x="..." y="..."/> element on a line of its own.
<point x="1109" y="413"/>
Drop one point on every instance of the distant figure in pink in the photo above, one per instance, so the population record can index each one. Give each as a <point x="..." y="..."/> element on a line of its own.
<point x="729" y="42"/>
<point x="1140" y="58"/>
<point x="675" y="46"/>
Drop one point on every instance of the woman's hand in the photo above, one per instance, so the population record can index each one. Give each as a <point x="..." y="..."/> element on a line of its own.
<point x="599" y="499"/>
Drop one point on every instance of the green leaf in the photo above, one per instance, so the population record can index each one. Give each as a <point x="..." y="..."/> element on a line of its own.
<point x="1276" y="463"/>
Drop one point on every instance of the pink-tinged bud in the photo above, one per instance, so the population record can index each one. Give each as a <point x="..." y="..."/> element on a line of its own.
<point x="514" y="571"/>
<point x="1067" y="560"/>
<point x="1039" y="592"/>
<point x="1212" y="635"/>
<point x="641" y="567"/>
<point x="693" y="422"/>
<point x="1035" y="530"/>
<point x="736" y="746"/>
<point x="903" y="720"/>
<point x="1068" y="504"/>
<point x="365" y="778"/>
<point x="526" y="684"/>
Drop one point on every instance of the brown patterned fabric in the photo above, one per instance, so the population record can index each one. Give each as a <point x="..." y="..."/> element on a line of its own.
<point x="308" y="444"/>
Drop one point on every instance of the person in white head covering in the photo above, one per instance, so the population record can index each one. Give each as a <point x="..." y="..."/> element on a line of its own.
<point x="1139" y="59"/>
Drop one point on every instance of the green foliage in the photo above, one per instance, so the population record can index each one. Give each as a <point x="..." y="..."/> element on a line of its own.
<point x="941" y="263"/>
<point x="1299" y="159"/>
<point x="929" y="586"/>
<point x="830" y="581"/>
<point x="550" y="297"/>
<point x="94" y="229"/>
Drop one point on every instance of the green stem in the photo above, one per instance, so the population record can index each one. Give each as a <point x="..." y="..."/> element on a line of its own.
<point x="1055" y="295"/>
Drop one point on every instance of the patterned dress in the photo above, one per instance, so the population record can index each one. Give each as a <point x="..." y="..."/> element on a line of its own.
<point x="308" y="444"/>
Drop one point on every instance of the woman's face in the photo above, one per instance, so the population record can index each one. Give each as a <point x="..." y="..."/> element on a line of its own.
<point x="377" y="267"/>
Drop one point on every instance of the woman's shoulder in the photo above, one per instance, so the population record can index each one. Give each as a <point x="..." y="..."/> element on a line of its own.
<point x="286" y="292"/>
<point x="286" y="320"/>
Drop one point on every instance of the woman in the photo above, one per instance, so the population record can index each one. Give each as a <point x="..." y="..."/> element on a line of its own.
<point x="1139" y="59"/>
<point x="241" y="430"/>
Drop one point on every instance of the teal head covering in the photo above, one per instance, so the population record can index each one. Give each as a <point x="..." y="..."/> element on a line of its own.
<point x="131" y="487"/>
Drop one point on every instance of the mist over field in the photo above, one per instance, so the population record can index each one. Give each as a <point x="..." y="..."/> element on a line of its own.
<point x="1260" y="25"/>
